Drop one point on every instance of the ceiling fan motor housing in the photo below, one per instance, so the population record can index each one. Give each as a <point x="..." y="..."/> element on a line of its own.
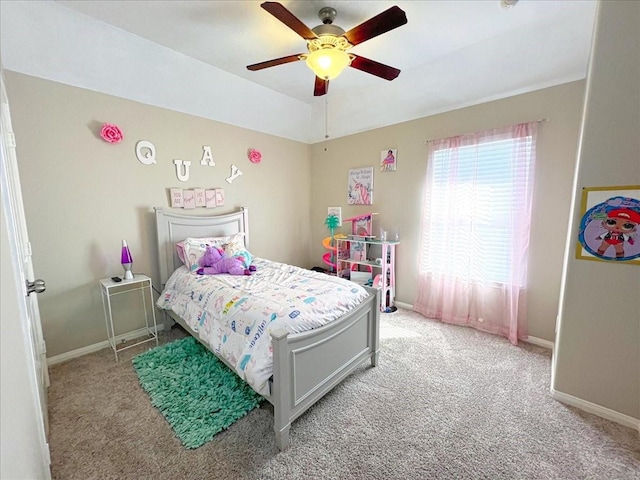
<point x="329" y="36"/>
<point x="327" y="15"/>
<point x="328" y="29"/>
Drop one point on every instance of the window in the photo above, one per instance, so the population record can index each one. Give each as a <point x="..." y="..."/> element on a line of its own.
<point x="475" y="230"/>
<point x="475" y="193"/>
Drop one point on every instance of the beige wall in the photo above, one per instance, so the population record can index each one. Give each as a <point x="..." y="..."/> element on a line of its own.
<point x="398" y="196"/>
<point x="598" y="346"/>
<point x="82" y="196"/>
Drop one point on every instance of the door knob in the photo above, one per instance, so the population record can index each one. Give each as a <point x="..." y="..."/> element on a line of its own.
<point x="37" y="286"/>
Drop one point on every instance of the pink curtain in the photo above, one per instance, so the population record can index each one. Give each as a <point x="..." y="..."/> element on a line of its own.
<point x="475" y="230"/>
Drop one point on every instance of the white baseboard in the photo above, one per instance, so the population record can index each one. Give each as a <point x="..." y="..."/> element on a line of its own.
<point x="63" y="357"/>
<point x="598" y="410"/>
<point x="539" y="342"/>
<point x="406" y="306"/>
<point x="533" y="340"/>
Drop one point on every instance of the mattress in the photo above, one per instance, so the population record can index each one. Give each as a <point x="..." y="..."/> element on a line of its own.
<point x="233" y="315"/>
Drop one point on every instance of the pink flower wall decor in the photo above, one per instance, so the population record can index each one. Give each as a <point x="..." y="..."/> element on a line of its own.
<point x="255" y="156"/>
<point x="111" y="133"/>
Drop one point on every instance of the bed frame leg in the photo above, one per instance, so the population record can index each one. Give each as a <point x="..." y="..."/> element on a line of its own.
<point x="281" y="387"/>
<point x="374" y="359"/>
<point x="282" y="437"/>
<point x="168" y="323"/>
<point x="375" y="321"/>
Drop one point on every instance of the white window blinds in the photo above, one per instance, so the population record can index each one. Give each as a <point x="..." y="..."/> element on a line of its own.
<point x="479" y="195"/>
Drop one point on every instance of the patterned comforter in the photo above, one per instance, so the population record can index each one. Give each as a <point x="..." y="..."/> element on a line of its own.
<point x="234" y="314"/>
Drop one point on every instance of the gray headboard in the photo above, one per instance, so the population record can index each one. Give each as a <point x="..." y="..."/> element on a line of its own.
<point x="174" y="227"/>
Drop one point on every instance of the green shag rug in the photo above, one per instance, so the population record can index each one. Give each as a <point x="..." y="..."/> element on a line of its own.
<point x="197" y="393"/>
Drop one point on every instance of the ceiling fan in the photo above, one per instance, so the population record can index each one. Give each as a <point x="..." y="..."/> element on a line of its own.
<point x="328" y="44"/>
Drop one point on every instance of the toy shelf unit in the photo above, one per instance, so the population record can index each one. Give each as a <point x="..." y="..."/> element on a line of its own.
<point x="357" y="259"/>
<point x="354" y="262"/>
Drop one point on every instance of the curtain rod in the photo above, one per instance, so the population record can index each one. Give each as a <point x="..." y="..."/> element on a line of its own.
<point x="540" y="120"/>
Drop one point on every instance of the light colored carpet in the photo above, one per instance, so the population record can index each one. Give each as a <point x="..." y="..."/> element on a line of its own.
<point x="445" y="402"/>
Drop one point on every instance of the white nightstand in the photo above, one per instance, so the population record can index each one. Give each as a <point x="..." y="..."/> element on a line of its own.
<point x="110" y="289"/>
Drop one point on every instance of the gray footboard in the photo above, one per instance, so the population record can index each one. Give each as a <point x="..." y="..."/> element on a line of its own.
<point x="307" y="365"/>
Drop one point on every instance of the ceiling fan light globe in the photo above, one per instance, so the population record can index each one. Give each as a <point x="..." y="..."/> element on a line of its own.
<point x="328" y="63"/>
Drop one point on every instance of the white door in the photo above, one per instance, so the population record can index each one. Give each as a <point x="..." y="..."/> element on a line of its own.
<point x="21" y="251"/>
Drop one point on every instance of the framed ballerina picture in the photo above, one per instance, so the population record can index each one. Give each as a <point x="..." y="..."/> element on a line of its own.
<point x="610" y="225"/>
<point x="388" y="160"/>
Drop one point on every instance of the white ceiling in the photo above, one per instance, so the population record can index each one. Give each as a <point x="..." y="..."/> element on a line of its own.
<point x="451" y="53"/>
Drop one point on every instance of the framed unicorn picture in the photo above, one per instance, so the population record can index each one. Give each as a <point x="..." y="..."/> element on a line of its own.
<point x="360" y="186"/>
<point x="610" y="226"/>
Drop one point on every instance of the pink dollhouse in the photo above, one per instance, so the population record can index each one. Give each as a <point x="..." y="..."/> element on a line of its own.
<point x="353" y="263"/>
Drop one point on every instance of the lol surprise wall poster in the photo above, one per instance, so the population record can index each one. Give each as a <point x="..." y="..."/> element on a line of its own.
<point x="610" y="225"/>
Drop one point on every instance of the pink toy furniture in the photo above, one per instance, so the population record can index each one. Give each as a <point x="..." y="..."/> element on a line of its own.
<point x="353" y="260"/>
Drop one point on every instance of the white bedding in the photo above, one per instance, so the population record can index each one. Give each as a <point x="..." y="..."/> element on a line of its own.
<point x="234" y="314"/>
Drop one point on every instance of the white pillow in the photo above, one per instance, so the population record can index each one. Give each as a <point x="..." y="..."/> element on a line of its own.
<point x="191" y="249"/>
<point x="235" y="249"/>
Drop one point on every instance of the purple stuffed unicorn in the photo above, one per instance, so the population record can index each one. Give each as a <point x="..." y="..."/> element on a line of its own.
<point x="213" y="262"/>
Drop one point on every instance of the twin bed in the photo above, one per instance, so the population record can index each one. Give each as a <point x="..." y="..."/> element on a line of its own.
<point x="291" y="333"/>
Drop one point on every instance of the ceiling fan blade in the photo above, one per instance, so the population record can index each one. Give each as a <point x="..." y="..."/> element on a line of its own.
<point x="274" y="62"/>
<point x="391" y="18"/>
<point x="321" y="87"/>
<point x="374" y="68"/>
<point x="289" y="19"/>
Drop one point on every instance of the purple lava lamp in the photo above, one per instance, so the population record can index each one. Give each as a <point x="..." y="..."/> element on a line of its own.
<point x="126" y="260"/>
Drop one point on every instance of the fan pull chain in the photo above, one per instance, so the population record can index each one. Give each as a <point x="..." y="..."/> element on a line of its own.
<point x="326" y="123"/>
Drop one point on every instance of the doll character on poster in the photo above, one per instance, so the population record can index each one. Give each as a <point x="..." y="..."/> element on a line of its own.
<point x="610" y="230"/>
<point x="388" y="160"/>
